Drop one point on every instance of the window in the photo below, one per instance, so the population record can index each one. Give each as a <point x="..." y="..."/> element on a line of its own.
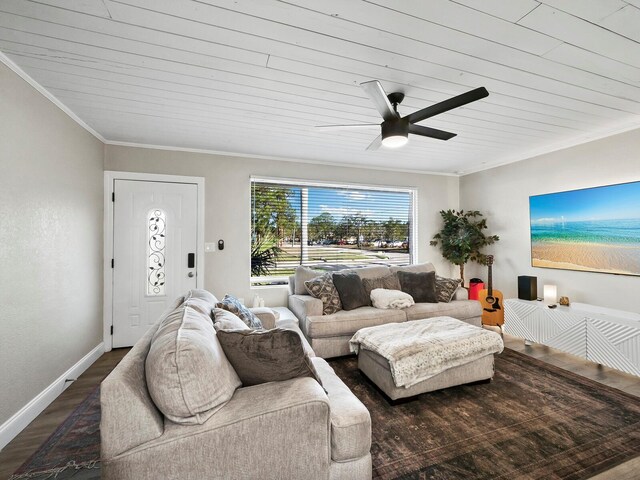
<point x="156" y="238"/>
<point x="327" y="226"/>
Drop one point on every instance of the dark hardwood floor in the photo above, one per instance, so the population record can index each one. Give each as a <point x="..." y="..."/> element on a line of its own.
<point x="26" y="443"/>
<point x="39" y="430"/>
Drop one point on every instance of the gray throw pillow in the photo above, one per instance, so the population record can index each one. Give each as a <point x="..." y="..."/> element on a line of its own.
<point x="266" y="356"/>
<point x="446" y="288"/>
<point x="322" y="288"/>
<point x="421" y="286"/>
<point x="233" y="305"/>
<point x="388" y="282"/>
<point x="351" y="291"/>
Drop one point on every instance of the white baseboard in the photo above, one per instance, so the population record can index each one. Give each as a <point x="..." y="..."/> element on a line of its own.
<point x="23" y="417"/>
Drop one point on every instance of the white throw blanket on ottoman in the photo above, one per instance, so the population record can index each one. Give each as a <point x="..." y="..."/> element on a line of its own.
<point x="420" y="349"/>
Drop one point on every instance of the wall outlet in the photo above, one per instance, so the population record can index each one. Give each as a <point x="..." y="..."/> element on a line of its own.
<point x="210" y="247"/>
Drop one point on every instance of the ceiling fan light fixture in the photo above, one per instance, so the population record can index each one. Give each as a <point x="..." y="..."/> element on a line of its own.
<point x="395" y="141"/>
<point x="395" y="134"/>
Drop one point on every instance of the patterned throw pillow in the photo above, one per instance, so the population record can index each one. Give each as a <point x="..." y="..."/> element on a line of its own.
<point x="233" y="305"/>
<point x="322" y="287"/>
<point x="446" y="288"/>
<point x="388" y="282"/>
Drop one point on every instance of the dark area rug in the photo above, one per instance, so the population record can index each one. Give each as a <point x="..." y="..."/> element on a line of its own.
<point x="72" y="450"/>
<point x="533" y="421"/>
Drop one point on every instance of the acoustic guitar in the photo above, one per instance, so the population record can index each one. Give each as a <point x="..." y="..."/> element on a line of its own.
<point x="491" y="301"/>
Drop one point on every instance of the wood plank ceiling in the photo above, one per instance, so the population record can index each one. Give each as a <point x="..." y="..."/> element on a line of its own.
<point x="255" y="76"/>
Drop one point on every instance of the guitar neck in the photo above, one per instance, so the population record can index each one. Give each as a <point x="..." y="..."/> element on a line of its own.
<point x="490" y="289"/>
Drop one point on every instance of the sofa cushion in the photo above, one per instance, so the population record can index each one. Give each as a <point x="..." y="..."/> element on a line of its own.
<point x="417" y="268"/>
<point x="350" y="419"/>
<point x="388" y="282"/>
<point x="446" y="288"/>
<point x="302" y="275"/>
<point x="460" y="309"/>
<point x="351" y="290"/>
<point x="204" y="295"/>
<point x="421" y="286"/>
<point x="201" y="300"/>
<point x="348" y="322"/>
<point x="201" y="306"/>
<point x="232" y="304"/>
<point x="225" y="320"/>
<point x="372" y="271"/>
<point x="188" y="375"/>
<point x="261" y="356"/>
<point x="322" y="288"/>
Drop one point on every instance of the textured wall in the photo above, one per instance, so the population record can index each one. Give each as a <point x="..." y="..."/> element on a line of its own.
<point x="228" y="209"/>
<point x="503" y="195"/>
<point x="51" y="173"/>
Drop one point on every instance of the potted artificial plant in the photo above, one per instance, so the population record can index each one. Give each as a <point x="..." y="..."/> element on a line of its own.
<point x="462" y="237"/>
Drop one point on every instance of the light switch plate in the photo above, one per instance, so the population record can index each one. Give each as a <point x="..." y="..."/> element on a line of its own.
<point x="210" y="247"/>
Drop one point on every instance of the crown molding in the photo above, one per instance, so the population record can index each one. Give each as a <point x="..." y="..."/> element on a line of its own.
<point x="279" y="159"/>
<point x="49" y="96"/>
<point x="574" y="142"/>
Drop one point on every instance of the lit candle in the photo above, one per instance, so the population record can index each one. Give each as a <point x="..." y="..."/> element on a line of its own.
<point x="550" y="294"/>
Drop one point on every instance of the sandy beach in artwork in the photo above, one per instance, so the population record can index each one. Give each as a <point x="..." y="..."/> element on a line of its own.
<point x="622" y="259"/>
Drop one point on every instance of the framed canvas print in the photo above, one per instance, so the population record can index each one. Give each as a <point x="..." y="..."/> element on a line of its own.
<point x="593" y="229"/>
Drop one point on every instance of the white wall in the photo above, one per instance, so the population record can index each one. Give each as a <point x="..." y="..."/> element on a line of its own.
<point x="228" y="209"/>
<point x="502" y="194"/>
<point x="50" y="242"/>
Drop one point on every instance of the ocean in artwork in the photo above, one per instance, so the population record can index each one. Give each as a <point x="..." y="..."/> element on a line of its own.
<point x="578" y="230"/>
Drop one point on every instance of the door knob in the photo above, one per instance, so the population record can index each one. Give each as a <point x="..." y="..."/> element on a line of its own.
<point x="190" y="274"/>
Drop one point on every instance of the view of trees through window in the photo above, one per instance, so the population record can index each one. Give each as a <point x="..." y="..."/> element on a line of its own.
<point x="326" y="227"/>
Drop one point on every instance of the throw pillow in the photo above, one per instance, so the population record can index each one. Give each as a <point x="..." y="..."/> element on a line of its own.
<point x="421" y="286"/>
<point x="388" y="282"/>
<point x="266" y="356"/>
<point x="187" y="373"/>
<point x="446" y="288"/>
<point x="225" y="320"/>
<point x="233" y="305"/>
<point x="351" y="291"/>
<point x="322" y="287"/>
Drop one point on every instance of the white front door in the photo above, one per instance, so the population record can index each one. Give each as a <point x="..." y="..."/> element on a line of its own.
<point x="155" y="228"/>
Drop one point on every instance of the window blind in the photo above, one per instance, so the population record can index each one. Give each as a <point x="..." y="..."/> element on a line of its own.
<point x="327" y="227"/>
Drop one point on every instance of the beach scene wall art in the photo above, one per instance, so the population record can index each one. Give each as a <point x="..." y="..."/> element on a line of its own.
<point x="593" y="229"/>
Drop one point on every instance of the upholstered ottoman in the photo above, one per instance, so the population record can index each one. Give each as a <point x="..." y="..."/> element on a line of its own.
<point x="410" y="358"/>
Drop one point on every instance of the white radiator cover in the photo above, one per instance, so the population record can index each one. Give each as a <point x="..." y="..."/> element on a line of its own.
<point x="602" y="335"/>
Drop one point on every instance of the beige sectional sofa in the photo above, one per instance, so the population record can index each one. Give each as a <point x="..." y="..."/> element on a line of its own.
<point x="329" y="335"/>
<point x="289" y="429"/>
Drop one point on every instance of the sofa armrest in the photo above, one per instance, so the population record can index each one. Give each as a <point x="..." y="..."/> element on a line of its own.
<point x="461" y="294"/>
<point x="267" y="316"/>
<point x="129" y="417"/>
<point x="270" y="431"/>
<point x="304" y="306"/>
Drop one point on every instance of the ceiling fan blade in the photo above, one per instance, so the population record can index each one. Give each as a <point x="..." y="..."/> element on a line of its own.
<point x="447" y="105"/>
<point x="378" y="96"/>
<point x="375" y="145"/>
<point x="347" y="127"/>
<point x="430" y="132"/>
